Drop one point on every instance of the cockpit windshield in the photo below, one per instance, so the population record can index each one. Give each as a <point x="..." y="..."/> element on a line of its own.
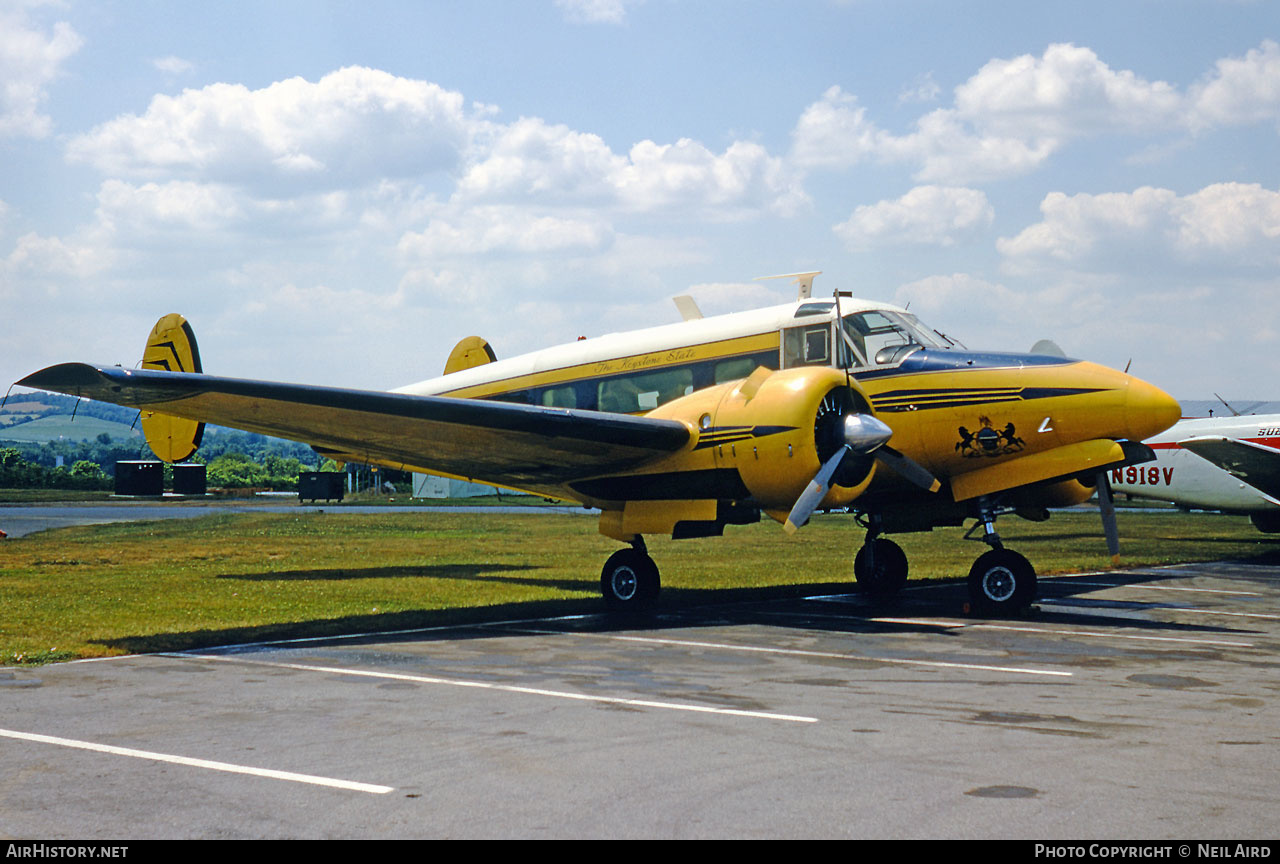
<point x="882" y="338"/>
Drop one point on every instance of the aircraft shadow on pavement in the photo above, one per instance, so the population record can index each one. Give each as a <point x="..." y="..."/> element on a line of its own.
<point x="829" y="607"/>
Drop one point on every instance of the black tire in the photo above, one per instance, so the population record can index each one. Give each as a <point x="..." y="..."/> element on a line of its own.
<point x="887" y="574"/>
<point x="1266" y="521"/>
<point x="1001" y="582"/>
<point x="629" y="581"/>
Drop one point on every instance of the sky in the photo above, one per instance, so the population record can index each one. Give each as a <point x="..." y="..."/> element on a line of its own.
<point x="336" y="193"/>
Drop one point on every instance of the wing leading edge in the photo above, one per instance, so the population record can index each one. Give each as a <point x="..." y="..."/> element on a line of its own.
<point x="522" y="446"/>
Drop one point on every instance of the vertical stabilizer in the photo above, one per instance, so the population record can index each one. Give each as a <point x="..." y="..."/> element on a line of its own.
<point x="172" y="347"/>
<point x="469" y="352"/>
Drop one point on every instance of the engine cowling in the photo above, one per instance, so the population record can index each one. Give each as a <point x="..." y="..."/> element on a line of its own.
<point x="776" y="430"/>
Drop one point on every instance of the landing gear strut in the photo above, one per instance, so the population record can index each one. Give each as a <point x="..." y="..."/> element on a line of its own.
<point x="629" y="580"/>
<point x="1001" y="582"/>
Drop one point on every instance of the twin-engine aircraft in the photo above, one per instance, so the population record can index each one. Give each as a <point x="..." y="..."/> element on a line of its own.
<point x="686" y="428"/>
<point x="1214" y="463"/>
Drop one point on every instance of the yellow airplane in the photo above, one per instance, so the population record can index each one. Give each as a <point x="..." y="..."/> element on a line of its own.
<point x="686" y="428"/>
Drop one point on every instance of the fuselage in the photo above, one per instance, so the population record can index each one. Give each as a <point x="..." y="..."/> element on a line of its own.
<point x="951" y="409"/>
<point x="1183" y="477"/>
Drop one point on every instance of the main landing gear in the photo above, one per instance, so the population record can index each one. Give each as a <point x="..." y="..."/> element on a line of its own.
<point x="1001" y="582"/>
<point x="629" y="580"/>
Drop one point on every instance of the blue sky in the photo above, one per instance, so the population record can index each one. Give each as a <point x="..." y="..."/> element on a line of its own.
<point x="338" y="192"/>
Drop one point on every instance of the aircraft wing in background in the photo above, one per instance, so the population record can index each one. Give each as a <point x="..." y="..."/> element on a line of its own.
<point x="1255" y="464"/>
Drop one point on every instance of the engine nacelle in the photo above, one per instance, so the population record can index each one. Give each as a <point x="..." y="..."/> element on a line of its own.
<point x="775" y="430"/>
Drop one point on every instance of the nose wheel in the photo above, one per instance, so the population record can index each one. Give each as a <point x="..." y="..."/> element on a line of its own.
<point x="1001" y="582"/>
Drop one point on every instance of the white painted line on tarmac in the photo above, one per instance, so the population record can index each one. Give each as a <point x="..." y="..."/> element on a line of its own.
<point x="943" y="624"/>
<point x="1102" y="634"/>
<point x="1049" y="602"/>
<point x="1144" y="586"/>
<point x="349" y="785"/>
<point x="1099" y="634"/>
<point x="799" y="652"/>
<point x="510" y="688"/>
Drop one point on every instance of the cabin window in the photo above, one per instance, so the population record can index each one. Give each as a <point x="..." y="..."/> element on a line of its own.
<point x="560" y="397"/>
<point x="806" y="346"/>
<point x="643" y="391"/>
<point x="519" y="397"/>
<point x="732" y="370"/>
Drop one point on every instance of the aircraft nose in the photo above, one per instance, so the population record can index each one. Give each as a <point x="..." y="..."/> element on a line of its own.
<point x="1149" y="410"/>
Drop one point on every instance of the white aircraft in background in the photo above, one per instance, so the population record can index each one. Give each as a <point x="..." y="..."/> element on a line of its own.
<point x="1230" y="464"/>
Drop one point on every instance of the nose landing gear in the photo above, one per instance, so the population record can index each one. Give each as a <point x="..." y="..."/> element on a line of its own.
<point x="1001" y="581"/>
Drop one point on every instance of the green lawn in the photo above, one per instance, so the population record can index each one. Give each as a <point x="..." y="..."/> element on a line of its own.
<point x="222" y="579"/>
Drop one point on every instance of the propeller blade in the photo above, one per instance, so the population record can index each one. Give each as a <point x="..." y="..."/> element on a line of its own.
<point x="813" y="494"/>
<point x="1108" y="508"/>
<point x="908" y="468"/>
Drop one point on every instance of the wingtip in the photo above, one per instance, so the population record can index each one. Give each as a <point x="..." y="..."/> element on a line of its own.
<point x="59" y="376"/>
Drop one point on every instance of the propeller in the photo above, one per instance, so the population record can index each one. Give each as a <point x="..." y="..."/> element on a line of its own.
<point x="1108" y="508"/>
<point x="860" y="435"/>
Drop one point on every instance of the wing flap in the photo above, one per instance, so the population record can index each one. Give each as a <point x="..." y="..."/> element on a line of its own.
<point x="1252" y="463"/>
<point x="516" y="445"/>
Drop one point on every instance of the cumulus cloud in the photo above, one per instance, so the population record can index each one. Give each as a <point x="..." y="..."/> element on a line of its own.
<point x="834" y="133"/>
<point x="40" y="256"/>
<point x="483" y="230"/>
<point x="931" y="215"/>
<point x="358" y="127"/>
<point x="351" y="127"/>
<point x="531" y="157"/>
<point x="1013" y="114"/>
<point x="30" y="58"/>
<point x="1225" y="225"/>
<point x="1241" y="90"/>
<point x="1067" y="91"/>
<point x="535" y="161"/>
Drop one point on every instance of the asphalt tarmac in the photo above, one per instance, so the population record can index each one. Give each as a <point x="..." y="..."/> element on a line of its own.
<point x="1131" y="705"/>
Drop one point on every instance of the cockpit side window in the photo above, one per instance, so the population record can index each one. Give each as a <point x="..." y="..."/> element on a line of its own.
<point x="884" y="338"/>
<point x="806" y="346"/>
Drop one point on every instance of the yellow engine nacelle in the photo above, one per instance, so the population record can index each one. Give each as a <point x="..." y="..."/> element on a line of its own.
<point x="776" y="429"/>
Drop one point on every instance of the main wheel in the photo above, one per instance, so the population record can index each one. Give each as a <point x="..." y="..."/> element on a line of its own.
<point x="629" y="581"/>
<point x="1001" y="582"/>
<point x="880" y="568"/>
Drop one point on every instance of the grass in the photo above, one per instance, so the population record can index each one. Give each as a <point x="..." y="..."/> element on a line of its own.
<point x="176" y="584"/>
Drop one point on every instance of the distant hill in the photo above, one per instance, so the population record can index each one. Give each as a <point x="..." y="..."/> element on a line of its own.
<point x="22" y="407"/>
<point x="39" y="419"/>
<point x="56" y="427"/>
